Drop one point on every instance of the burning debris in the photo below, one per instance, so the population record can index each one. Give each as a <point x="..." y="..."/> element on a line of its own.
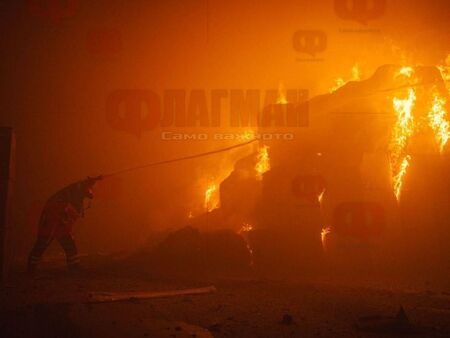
<point x="340" y="82"/>
<point x="211" y="198"/>
<point x="263" y="164"/>
<point x="437" y="118"/>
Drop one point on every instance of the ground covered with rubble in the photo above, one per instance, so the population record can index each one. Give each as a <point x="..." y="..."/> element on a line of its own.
<point x="56" y="303"/>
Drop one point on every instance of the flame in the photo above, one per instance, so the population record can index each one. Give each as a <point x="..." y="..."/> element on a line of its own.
<point x="212" y="199"/>
<point x="263" y="164"/>
<point x="356" y="72"/>
<point x="339" y="82"/>
<point x="444" y="69"/>
<point x="248" y="135"/>
<point x="402" y="131"/>
<point x="406" y="126"/>
<point x="323" y="236"/>
<point x="398" y="178"/>
<point x="438" y="122"/>
<point x="190" y="215"/>
<point x="281" y="94"/>
<point x="246" y="227"/>
<point x="320" y="197"/>
<point x="405" y="71"/>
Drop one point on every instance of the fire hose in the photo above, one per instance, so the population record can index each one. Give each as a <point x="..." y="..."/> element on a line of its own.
<point x="190" y="157"/>
<point x="154" y="164"/>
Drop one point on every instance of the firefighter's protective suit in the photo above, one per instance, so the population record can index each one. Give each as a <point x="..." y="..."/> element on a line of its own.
<point x="57" y="219"/>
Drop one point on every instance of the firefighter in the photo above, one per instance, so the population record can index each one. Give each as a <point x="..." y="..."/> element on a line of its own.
<point x="57" y="218"/>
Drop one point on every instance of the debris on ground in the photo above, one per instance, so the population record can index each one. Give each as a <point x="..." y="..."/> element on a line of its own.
<point x="108" y="297"/>
<point x="386" y="324"/>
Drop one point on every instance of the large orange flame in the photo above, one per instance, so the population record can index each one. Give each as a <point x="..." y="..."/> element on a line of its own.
<point x="263" y="164"/>
<point x="212" y="199"/>
<point x="437" y="120"/>
<point x="402" y="131"/>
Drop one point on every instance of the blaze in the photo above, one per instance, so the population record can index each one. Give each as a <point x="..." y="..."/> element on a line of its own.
<point x="398" y="178"/>
<point x="355" y="76"/>
<point x="406" y="125"/>
<point x="323" y="235"/>
<point x="405" y="71"/>
<point x="402" y="131"/>
<point x="212" y="199"/>
<point x="444" y="69"/>
<point x="263" y="164"/>
<point x="281" y="94"/>
<point x="438" y="122"/>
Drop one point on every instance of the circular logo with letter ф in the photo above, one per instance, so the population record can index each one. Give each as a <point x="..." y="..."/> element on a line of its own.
<point x="309" y="42"/>
<point x="133" y="111"/>
<point x="359" y="10"/>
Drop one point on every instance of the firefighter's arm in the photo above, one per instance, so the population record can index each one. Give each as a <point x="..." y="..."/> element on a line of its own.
<point x="89" y="185"/>
<point x="70" y="214"/>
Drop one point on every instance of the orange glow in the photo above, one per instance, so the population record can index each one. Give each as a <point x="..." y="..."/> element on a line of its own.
<point x="246" y="227"/>
<point x="339" y="82"/>
<point x="323" y="236"/>
<point x="212" y="198"/>
<point x="437" y="120"/>
<point x="321" y="196"/>
<point x="405" y="71"/>
<point x="281" y="94"/>
<point x="263" y="164"/>
<point x="445" y="71"/>
<point x="248" y="135"/>
<point x="398" y="178"/>
<point x="402" y="131"/>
